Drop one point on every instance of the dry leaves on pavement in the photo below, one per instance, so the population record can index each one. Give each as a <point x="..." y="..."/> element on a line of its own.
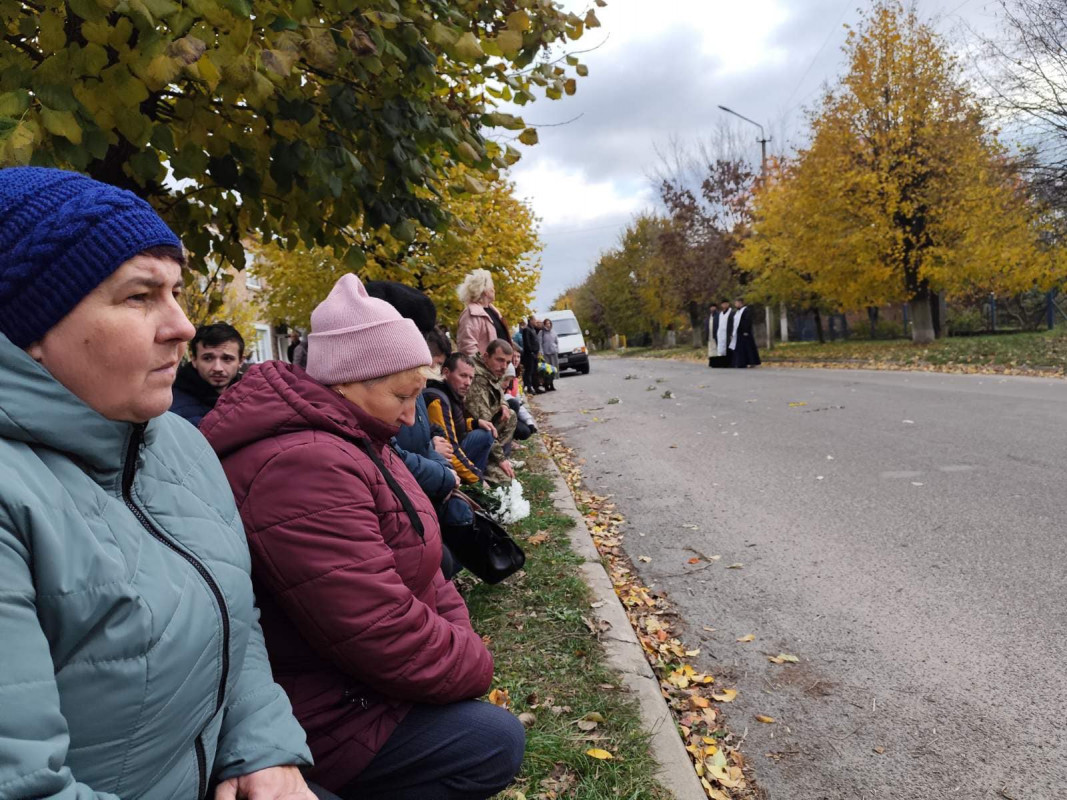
<point x="691" y="695"/>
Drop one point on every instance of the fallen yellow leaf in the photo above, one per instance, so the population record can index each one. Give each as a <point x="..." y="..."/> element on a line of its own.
<point x="783" y="658"/>
<point x="723" y="776"/>
<point x="748" y="637"/>
<point x="735" y="566"/>
<point x="763" y="718"/>
<point x="725" y="696"/>
<point x="538" y="538"/>
<point x="499" y="697"/>
<point x="596" y="752"/>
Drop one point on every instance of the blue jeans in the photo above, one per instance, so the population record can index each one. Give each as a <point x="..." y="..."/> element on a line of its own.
<point x="477" y="445"/>
<point x="468" y="750"/>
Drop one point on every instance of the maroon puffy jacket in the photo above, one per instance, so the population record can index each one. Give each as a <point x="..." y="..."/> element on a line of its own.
<point x="358" y="619"/>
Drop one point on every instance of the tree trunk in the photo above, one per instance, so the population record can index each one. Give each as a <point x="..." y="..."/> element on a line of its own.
<point x="818" y="326"/>
<point x="935" y="314"/>
<point x="872" y="315"/>
<point x="922" y="318"/>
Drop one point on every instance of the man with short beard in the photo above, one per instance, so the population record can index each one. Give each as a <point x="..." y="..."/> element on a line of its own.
<point x="215" y="356"/>
<point x="486" y="401"/>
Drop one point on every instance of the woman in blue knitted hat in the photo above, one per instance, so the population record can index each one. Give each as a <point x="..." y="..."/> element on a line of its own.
<point x="132" y="662"/>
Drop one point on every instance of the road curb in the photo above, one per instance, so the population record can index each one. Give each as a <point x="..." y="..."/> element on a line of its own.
<point x="625" y="654"/>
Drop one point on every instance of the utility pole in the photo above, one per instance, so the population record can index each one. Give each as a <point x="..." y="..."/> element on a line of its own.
<point x="763" y="139"/>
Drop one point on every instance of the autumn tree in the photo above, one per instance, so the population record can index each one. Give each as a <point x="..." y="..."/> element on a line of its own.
<point x="297" y="120"/>
<point x="904" y="191"/>
<point x="624" y="293"/>
<point x="784" y="256"/>
<point x="706" y="225"/>
<point x="491" y="230"/>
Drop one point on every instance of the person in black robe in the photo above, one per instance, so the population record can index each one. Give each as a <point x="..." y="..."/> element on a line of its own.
<point x="718" y="335"/>
<point x="742" y="351"/>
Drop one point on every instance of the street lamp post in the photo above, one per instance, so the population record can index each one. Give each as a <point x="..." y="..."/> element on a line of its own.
<point x="763" y="139"/>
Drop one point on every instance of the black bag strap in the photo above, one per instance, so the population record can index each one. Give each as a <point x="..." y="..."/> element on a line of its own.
<point x="367" y="447"/>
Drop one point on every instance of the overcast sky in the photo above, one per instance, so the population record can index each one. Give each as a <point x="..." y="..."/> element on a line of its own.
<point x="661" y="69"/>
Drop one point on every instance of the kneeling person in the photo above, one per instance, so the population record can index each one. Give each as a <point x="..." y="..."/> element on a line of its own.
<point x="487" y="402"/>
<point x="374" y="647"/>
<point x="471" y="439"/>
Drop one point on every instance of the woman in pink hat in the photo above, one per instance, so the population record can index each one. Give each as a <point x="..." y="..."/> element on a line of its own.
<point x="372" y="644"/>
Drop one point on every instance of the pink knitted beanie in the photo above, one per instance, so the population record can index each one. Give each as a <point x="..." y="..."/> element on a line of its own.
<point x="356" y="337"/>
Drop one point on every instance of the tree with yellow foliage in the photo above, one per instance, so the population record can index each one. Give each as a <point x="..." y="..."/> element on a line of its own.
<point x="221" y="298"/>
<point x="492" y="230"/>
<point x="904" y="191"/>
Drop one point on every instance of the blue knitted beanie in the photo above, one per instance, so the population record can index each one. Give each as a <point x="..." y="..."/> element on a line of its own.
<point x="61" y="235"/>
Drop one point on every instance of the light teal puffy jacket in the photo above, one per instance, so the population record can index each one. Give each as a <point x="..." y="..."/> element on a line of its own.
<point x="131" y="659"/>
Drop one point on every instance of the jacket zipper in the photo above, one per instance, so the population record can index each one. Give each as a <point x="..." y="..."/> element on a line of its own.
<point x="201" y="769"/>
<point x="128" y="470"/>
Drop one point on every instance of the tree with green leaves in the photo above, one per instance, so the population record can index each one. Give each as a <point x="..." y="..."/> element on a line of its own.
<point x="300" y="121"/>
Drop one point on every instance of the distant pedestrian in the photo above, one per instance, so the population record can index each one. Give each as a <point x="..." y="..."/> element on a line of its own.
<point x="531" y="349"/>
<point x="517" y="336"/>
<point x="710" y="322"/>
<point x="300" y="352"/>
<point x="550" y="353"/>
<point x="743" y="351"/>
<point x="294" y="340"/>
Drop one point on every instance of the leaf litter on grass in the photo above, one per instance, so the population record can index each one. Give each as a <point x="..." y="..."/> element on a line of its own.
<point x="691" y="695"/>
<point x="551" y="668"/>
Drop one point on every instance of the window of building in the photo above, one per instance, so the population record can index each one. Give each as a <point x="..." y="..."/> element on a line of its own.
<point x="261" y="348"/>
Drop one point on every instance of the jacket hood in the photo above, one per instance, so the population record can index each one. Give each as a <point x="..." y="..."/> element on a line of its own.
<point x="37" y="409"/>
<point x="275" y="398"/>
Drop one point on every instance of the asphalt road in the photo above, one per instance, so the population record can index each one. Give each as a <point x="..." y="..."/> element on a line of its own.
<point x="902" y="534"/>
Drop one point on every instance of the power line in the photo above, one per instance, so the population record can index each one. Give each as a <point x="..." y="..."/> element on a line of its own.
<point x="826" y="41"/>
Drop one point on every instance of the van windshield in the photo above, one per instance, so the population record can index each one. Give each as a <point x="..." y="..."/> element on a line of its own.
<point x="565" y="326"/>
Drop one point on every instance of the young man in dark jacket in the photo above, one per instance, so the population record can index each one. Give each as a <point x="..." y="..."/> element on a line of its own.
<point x="215" y="355"/>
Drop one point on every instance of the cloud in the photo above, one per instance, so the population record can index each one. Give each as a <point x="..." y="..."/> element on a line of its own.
<point x="565" y="195"/>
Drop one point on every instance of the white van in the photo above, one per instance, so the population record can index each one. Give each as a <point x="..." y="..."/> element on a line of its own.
<point x="572" y="351"/>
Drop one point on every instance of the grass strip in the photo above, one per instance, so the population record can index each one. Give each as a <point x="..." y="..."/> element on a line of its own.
<point x="550" y="664"/>
<point x="1032" y="353"/>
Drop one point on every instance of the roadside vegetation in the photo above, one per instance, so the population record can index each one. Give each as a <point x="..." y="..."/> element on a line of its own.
<point x="584" y="733"/>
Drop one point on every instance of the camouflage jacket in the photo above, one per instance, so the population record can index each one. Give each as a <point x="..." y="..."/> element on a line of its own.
<point x="484" y="400"/>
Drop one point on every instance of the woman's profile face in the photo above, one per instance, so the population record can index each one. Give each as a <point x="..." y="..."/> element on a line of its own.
<point x="489" y="295"/>
<point x="391" y="400"/>
<point x="118" y="349"/>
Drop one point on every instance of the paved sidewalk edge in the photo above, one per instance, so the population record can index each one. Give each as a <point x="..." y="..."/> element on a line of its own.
<point x="626" y="656"/>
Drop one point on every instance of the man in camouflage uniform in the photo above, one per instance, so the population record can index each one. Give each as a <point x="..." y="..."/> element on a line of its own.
<point x="485" y="400"/>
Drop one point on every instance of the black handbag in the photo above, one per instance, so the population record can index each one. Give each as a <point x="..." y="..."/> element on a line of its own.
<point x="483" y="546"/>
